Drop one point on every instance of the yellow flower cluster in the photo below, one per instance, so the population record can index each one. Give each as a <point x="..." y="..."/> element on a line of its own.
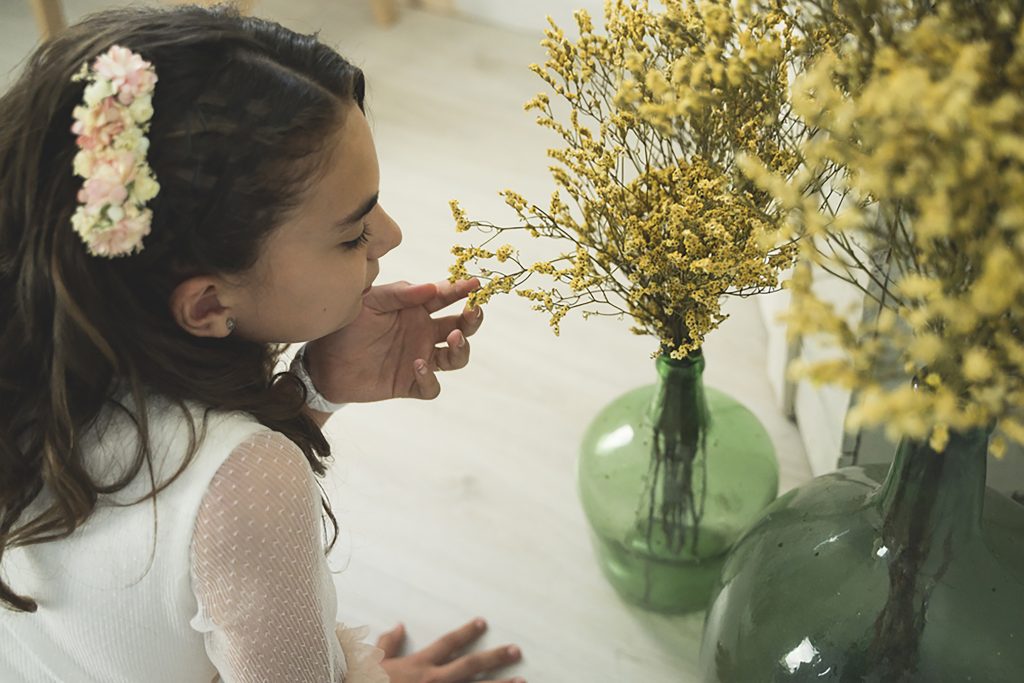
<point x="661" y="219"/>
<point x="922" y="135"/>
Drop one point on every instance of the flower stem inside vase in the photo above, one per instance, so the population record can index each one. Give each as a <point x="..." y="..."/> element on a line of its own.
<point x="931" y="506"/>
<point x="676" y="482"/>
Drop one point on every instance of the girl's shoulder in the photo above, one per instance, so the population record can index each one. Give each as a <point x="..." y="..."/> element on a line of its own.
<point x="167" y="432"/>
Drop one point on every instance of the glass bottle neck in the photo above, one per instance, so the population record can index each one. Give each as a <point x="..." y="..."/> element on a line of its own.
<point x="939" y="494"/>
<point x="688" y="369"/>
<point x="679" y="405"/>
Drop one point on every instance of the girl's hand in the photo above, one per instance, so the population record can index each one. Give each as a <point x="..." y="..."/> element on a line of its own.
<point x="440" y="663"/>
<point x="390" y="350"/>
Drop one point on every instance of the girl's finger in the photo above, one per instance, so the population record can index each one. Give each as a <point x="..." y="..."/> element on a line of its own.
<point x="450" y="292"/>
<point x="445" y="647"/>
<point x="427" y="387"/>
<point x="391" y="642"/>
<point x="455" y="355"/>
<point x="471" y="318"/>
<point x="444" y="326"/>
<point x="468" y="321"/>
<point x="398" y="295"/>
<point x="466" y="667"/>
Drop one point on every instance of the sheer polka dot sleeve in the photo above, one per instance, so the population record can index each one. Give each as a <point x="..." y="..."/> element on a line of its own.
<point x="266" y="597"/>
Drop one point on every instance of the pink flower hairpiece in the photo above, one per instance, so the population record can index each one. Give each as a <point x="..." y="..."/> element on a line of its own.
<point x="111" y="126"/>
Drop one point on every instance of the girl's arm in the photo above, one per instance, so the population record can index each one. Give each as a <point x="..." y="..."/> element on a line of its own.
<point x="267" y="604"/>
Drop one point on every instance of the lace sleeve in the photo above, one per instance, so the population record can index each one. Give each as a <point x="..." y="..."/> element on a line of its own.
<point x="266" y="598"/>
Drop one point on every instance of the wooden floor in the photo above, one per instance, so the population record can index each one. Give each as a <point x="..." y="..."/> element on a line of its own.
<point x="467" y="505"/>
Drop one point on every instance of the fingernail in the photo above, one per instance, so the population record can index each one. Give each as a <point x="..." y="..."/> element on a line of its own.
<point x="479" y="623"/>
<point x="421" y="367"/>
<point x="461" y="341"/>
<point x="512" y="650"/>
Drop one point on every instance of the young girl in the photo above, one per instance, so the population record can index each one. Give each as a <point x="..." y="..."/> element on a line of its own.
<point x="181" y="192"/>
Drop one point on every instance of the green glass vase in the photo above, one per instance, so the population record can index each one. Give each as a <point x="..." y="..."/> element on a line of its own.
<point x="917" y="575"/>
<point x="669" y="476"/>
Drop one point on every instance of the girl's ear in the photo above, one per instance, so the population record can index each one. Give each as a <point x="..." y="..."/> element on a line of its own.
<point x="197" y="306"/>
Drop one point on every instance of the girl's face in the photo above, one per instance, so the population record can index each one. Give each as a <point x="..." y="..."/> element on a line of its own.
<point x="315" y="269"/>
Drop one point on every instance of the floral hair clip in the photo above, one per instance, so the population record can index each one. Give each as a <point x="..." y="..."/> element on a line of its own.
<point x="111" y="127"/>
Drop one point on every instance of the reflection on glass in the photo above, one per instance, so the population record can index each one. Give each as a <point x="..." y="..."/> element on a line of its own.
<point x="804" y="653"/>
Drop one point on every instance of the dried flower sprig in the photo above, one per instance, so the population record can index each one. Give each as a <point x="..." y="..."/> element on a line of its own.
<point x="660" y="221"/>
<point x="920" y="110"/>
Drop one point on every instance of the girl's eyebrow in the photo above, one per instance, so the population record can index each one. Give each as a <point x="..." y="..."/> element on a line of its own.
<point x="359" y="213"/>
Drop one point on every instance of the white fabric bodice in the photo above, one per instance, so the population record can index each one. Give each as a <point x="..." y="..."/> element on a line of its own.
<point x="229" y="580"/>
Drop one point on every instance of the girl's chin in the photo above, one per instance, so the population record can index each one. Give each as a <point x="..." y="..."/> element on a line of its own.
<point x="357" y="308"/>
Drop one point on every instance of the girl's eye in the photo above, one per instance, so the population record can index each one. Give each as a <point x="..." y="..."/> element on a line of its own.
<point x="360" y="241"/>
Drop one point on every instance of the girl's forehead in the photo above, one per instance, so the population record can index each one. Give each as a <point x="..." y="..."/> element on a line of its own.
<point x="349" y="177"/>
<point x="352" y="173"/>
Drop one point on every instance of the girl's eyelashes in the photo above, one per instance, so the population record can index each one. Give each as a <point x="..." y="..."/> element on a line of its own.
<point x="360" y="241"/>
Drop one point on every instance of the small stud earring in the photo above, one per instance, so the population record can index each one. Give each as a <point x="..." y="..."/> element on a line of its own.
<point x="230" y="324"/>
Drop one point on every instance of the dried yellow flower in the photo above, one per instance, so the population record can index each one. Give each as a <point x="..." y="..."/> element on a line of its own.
<point x="662" y="219"/>
<point x="913" y="184"/>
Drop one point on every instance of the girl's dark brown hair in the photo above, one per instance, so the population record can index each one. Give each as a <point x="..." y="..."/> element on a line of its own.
<point x="242" y="112"/>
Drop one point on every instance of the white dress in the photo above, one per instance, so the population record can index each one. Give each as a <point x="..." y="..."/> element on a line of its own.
<point x="235" y="588"/>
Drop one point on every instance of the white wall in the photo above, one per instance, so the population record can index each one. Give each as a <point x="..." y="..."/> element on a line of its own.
<point x="819" y="411"/>
<point x="529" y="15"/>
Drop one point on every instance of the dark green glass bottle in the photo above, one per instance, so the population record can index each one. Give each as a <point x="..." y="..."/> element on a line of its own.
<point x="669" y="477"/>
<point x="917" y="575"/>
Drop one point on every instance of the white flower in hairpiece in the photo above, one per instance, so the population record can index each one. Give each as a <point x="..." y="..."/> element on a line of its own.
<point x="145" y="187"/>
<point x="98" y="91"/>
<point x="111" y="125"/>
<point x="141" y="109"/>
<point x="84" y="163"/>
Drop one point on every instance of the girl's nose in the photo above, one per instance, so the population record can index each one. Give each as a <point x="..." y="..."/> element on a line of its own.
<point x="390" y="236"/>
